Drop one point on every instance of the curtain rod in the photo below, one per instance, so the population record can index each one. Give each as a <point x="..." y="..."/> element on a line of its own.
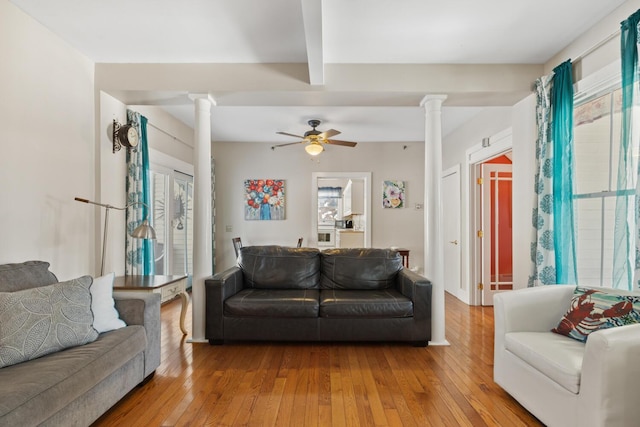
<point x="168" y="134"/>
<point x="596" y="47"/>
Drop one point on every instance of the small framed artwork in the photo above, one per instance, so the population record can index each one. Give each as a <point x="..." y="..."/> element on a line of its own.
<point x="393" y="194"/>
<point x="264" y="199"/>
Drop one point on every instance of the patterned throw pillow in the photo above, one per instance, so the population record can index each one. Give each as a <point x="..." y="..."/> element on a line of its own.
<point x="594" y="309"/>
<point x="38" y="321"/>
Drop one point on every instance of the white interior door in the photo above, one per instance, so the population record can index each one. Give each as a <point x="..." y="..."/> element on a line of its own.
<point x="451" y="230"/>
<point x="496" y="210"/>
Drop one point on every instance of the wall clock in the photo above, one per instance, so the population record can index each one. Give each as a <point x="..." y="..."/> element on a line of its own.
<point x="124" y="136"/>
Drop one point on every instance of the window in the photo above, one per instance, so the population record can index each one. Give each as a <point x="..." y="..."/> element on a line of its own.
<point x="329" y="205"/>
<point x="172" y="193"/>
<point x="597" y="129"/>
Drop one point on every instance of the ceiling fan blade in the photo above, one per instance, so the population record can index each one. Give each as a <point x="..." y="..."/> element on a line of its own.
<point x="329" y="133"/>
<point x="344" y="143"/>
<point x="284" y="145"/>
<point x="290" y="134"/>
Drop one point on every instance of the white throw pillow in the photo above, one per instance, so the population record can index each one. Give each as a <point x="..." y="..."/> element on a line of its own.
<point x="105" y="315"/>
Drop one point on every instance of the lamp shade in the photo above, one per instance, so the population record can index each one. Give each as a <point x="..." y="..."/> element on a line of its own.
<point x="314" y="148"/>
<point x="144" y="231"/>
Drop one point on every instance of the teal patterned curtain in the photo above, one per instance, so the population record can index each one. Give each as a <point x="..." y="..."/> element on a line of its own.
<point x="553" y="248"/>
<point x="138" y="252"/>
<point x="626" y="244"/>
<point x="542" y="252"/>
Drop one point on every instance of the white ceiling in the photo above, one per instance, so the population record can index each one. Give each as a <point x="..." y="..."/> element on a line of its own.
<point x="318" y="32"/>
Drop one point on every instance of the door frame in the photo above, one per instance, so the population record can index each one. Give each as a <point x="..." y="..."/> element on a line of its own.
<point x="365" y="176"/>
<point x="488" y="227"/>
<point x="168" y="165"/>
<point x="494" y="146"/>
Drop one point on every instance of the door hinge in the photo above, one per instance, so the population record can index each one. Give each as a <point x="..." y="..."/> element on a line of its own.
<point x="479" y="181"/>
<point x="480" y="286"/>
<point x="480" y="233"/>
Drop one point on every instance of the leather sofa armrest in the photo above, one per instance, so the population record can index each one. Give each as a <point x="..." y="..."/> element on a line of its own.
<point x="609" y="382"/>
<point x="141" y="308"/>
<point x="418" y="289"/>
<point x="218" y="288"/>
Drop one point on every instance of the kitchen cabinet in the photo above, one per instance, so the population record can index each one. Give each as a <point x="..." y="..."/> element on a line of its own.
<point x="353" y="198"/>
<point x="349" y="239"/>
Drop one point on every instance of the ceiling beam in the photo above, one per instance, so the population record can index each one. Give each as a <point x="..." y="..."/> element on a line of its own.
<point x="380" y="84"/>
<point x="312" y="18"/>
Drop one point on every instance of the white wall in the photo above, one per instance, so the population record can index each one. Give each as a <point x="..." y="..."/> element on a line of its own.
<point x="46" y="114"/>
<point x="112" y="167"/>
<point x="594" y="36"/>
<point x="236" y="162"/>
<point x="167" y="134"/>
<point x="487" y="123"/>
<point x="524" y="169"/>
<point x="521" y="118"/>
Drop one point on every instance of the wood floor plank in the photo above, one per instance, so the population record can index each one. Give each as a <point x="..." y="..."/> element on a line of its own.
<point x="325" y="384"/>
<point x="312" y="399"/>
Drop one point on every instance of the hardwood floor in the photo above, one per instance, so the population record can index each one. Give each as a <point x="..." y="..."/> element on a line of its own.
<point x="300" y="384"/>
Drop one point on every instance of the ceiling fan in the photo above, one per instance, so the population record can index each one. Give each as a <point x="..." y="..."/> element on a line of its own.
<point x="316" y="139"/>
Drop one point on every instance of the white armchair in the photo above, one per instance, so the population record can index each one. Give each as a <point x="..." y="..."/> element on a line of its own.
<point x="562" y="381"/>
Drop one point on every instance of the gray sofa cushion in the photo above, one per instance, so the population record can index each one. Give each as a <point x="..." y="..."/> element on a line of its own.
<point x="361" y="269"/>
<point x="42" y="387"/>
<point x="277" y="267"/>
<point x="382" y="303"/>
<point x="25" y="275"/>
<point x="38" y="321"/>
<point x="273" y="303"/>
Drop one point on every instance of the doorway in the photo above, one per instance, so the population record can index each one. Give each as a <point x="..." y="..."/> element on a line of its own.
<point x="364" y="220"/>
<point x="496" y="235"/>
<point x="494" y="147"/>
<point x="451" y="230"/>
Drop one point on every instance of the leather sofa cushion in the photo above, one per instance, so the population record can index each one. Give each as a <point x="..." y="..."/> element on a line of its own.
<point x="277" y="267"/>
<point x="363" y="269"/>
<point x="382" y="303"/>
<point x="556" y="356"/>
<point x="273" y="303"/>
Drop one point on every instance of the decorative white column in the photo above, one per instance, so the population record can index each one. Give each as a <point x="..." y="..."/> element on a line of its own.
<point x="433" y="236"/>
<point x="202" y="245"/>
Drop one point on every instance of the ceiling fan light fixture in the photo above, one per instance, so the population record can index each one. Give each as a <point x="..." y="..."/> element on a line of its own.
<point x="314" y="148"/>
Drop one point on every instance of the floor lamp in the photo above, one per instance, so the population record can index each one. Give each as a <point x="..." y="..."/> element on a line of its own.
<point x="143" y="231"/>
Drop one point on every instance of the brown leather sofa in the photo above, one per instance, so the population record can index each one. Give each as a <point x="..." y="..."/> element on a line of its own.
<point x="278" y="293"/>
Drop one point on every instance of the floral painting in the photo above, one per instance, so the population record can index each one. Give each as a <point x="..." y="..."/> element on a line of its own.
<point x="393" y="194"/>
<point x="263" y="199"/>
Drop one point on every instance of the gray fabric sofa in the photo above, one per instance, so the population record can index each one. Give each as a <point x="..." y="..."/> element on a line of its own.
<point x="73" y="387"/>
<point x="301" y="294"/>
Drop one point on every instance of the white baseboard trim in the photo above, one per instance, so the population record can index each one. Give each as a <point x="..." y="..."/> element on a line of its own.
<point x="198" y="340"/>
<point x="444" y="342"/>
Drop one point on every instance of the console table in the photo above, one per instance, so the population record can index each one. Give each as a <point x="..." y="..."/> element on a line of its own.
<point x="404" y="253"/>
<point x="167" y="286"/>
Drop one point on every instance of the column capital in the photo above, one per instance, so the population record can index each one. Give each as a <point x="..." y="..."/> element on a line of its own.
<point x="429" y="100"/>
<point x="205" y="96"/>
